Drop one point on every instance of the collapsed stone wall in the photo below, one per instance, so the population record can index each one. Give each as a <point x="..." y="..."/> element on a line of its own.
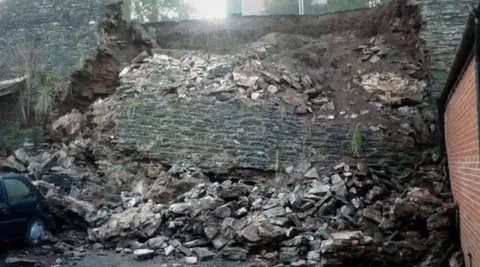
<point x="93" y="47"/>
<point x="61" y="34"/>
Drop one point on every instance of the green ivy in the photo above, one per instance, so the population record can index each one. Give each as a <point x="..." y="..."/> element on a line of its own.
<point x="357" y="143"/>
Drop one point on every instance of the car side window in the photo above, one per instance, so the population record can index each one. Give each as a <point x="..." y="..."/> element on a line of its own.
<point x="2" y="197"/>
<point x="17" y="191"/>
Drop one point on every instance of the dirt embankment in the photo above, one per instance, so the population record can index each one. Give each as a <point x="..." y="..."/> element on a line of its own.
<point x="398" y="19"/>
<point x="99" y="75"/>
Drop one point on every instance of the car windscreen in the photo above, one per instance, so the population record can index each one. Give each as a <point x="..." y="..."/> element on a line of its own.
<point x="17" y="190"/>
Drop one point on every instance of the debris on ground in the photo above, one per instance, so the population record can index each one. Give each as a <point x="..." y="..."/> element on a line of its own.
<point x="331" y="217"/>
<point x="138" y="174"/>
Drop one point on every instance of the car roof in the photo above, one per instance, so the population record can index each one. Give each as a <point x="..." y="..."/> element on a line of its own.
<point x="10" y="175"/>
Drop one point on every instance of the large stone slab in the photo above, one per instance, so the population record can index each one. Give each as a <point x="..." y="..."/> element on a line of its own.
<point x="218" y="136"/>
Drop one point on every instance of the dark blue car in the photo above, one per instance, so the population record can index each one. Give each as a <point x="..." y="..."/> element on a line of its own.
<point x="24" y="213"/>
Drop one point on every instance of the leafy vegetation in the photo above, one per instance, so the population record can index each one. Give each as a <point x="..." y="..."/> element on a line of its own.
<point x="39" y="91"/>
<point x="159" y="10"/>
<point x="357" y="143"/>
<point x="315" y="7"/>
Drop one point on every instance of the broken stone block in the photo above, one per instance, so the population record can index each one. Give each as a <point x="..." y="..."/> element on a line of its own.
<point x="241" y="212"/>
<point x="318" y="188"/>
<point x="219" y="71"/>
<point x="291" y="81"/>
<point x="393" y="88"/>
<point x="275" y="212"/>
<point x="282" y="221"/>
<point x="220" y="242"/>
<point x="296" y="199"/>
<point x="244" y="80"/>
<point x="338" y="186"/>
<point x="203" y="253"/>
<point x="191" y="260"/>
<point x="288" y="254"/>
<point x="313" y="257"/>
<point x="250" y="233"/>
<point x="272" y="89"/>
<point x="346" y="210"/>
<point x="372" y="214"/>
<point x="211" y="231"/>
<point x="386" y="225"/>
<point x="439" y="221"/>
<point x="181" y="208"/>
<point x="21" y="156"/>
<point x="21" y="262"/>
<point x="143" y="254"/>
<point x="342" y="240"/>
<point x="374" y="59"/>
<point x="69" y="125"/>
<point x="140" y="222"/>
<point x="299" y="263"/>
<point x="312" y="174"/>
<point x="223" y="211"/>
<point x="233" y="191"/>
<point x="156" y="242"/>
<point x="270" y="77"/>
<point x="256" y="95"/>
<point x="234" y="253"/>
<point x="376" y="193"/>
<point x="169" y="250"/>
<point x="301" y="110"/>
<point x="405" y="209"/>
<point x="12" y="164"/>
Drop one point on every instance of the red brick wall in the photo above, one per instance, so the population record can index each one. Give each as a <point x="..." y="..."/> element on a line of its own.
<point x="461" y="129"/>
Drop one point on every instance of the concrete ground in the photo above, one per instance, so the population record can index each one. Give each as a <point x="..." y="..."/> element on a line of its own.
<point x="110" y="259"/>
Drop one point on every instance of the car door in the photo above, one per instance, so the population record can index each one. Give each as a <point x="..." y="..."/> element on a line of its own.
<point x="22" y="204"/>
<point x="4" y="214"/>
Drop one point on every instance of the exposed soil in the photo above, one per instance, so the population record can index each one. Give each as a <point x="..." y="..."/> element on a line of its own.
<point x="398" y="20"/>
<point x="99" y="75"/>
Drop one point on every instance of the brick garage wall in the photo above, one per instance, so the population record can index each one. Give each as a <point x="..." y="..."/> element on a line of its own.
<point x="461" y="125"/>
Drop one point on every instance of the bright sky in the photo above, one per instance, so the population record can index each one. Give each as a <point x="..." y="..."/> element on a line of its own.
<point x="209" y="9"/>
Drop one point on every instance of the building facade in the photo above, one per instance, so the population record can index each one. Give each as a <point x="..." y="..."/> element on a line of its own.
<point x="459" y="112"/>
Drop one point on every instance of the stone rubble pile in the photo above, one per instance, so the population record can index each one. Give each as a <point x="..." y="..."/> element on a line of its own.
<point x="331" y="220"/>
<point x="224" y="77"/>
<point x="253" y="76"/>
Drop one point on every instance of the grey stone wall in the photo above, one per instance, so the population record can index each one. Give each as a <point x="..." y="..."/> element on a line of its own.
<point x="61" y="34"/>
<point x="219" y="136"/>
<point x="10" y="121"/>
<point x="445" y="21"/>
